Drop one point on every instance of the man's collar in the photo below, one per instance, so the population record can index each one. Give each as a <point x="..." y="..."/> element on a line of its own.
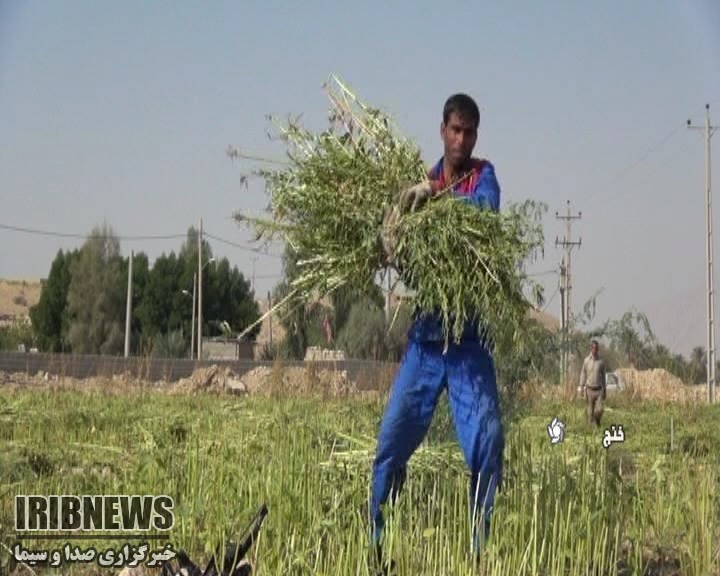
<point x="473" y="163"/>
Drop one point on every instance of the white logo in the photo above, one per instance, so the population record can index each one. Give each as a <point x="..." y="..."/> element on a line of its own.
<point x="556" y="431"/>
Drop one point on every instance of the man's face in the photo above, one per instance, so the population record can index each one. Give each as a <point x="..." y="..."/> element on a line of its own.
<point x="594" y="349"/>
<point x="459" y="136"/>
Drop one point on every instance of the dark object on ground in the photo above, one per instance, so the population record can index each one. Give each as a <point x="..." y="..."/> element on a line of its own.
<point x="233" y="562"/>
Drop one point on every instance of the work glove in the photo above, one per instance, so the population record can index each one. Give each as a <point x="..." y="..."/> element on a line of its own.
<point x="415" y="196"/>
<point x="389" y="235"/>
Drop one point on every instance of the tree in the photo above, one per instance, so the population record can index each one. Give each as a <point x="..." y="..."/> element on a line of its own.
<point x="401" y="318"/>
<point x="345" y="297"/>
<point x="227" y="297"/>
<point x="363" y="335"/>
<point x="292" y="316"/>
<point x="15" y="334"/>
<point x="49" y="316"/>
<point x="632" y="336"/>
<point x="96" y="296"/>
<point x="163" y="304"/>
<point x="698" y="365"/>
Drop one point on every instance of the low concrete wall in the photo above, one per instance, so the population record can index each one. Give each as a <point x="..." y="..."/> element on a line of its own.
<point x="367" y="375"/>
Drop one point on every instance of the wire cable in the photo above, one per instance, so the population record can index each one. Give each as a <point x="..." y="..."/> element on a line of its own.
<point x="241" y="246"/>
<point x="85" y="236"/>
<point x="131" y="238"/>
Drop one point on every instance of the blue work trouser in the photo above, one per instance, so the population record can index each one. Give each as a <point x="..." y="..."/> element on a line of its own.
<point x="468" y="371"/>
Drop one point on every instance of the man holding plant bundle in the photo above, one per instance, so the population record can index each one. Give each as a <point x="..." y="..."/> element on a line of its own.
<point x="430" y="364"/>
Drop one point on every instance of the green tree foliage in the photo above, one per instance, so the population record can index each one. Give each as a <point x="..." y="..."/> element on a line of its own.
<point x="159" y="310"/>
<point x="15" y="334"/>
<point x="170" y="345"/>
<point x="293" y="318"/>
<point x="396" y="333"/>
<point x="227" y="297"/>
<point x="96" y="296"/>
<point x="536" y="358"/>
<point x="632" y="337"/>
<point x="166" y="304"/>
<point x="345" y="297"/>
<point x="49" y="317"/>
<point x="367" y="334"/>
<point x="363" y="335"/>
<point x="82" y="304"/>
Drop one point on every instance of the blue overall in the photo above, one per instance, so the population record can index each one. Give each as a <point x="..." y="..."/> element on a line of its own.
<point x="467" y="370"/>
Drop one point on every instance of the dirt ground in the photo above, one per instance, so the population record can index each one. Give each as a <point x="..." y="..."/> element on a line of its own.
<point x="261" y="381"/>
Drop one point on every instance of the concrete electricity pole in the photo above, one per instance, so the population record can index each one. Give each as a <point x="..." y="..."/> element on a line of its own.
<point x="192" y="328"/>
<point x="710" y="368"/>
<point x="254" y="259"/>
<point x="199" y="326"/>
<point x="269" y="304"/>
<point x="388" y="297"/>
<point x="128" y="311"/>
<point x="563" y="323"/>
<point x="566" y="277"/>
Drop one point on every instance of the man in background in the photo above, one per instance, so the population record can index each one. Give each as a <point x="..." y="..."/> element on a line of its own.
<point x="592" y="383"/>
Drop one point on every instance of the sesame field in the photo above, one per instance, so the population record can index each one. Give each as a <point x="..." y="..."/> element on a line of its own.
<point x="647" y="505"/>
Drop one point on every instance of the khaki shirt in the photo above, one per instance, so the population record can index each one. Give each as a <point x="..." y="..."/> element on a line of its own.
<point x="592" y="374"/>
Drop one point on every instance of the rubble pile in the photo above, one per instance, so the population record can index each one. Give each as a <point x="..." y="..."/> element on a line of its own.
<point x="210" y="380"/>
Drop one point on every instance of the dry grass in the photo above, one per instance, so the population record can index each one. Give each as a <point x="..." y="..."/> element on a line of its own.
<point x="658" y="386"/>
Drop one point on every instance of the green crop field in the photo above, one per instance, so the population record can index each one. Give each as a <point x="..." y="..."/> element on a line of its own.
<point x="572" y="508"/>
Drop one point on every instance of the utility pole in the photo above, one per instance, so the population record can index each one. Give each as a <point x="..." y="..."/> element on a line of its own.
<point x="710" y="368"/>
<point x="192" y="328"/>
<point x="269" y="304"/>
<point x="388" y="295"/>
<point x="254" y="259"/>
<point x="199" y="327"/>
<point x="128" y="311"/>
<point x="567" y="243"/>
<point x="563" y="285"/>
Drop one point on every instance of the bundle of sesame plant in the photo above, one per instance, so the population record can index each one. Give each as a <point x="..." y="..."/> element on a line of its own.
<point x="330" y="205"/>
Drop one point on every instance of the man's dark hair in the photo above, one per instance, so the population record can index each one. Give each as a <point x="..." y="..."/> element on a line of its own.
<point x="464" y="106"/>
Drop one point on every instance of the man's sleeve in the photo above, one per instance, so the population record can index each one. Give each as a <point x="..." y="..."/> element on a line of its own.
<point x="582" y="373"/>
<point x="486" y="193"/>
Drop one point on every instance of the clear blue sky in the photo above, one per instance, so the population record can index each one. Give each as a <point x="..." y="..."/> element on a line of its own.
<point x="122" y="111"/>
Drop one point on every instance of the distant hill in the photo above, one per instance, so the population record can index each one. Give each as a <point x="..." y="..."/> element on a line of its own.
<point x="17" y="297"/>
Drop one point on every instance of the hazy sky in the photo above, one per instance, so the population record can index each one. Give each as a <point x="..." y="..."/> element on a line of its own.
<point x="122" y="112"/>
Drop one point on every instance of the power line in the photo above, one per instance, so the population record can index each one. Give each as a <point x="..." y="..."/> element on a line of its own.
<point x="241" y="246"/>
<point x="547" y="305"/>
<point x="129" y="238"/>
<point x="38" y="232"/>
<point x="543" y="273"/>
<point x="647" y="153"/>
<point x="621" y="191"/>
<point x="640" y="160"/>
